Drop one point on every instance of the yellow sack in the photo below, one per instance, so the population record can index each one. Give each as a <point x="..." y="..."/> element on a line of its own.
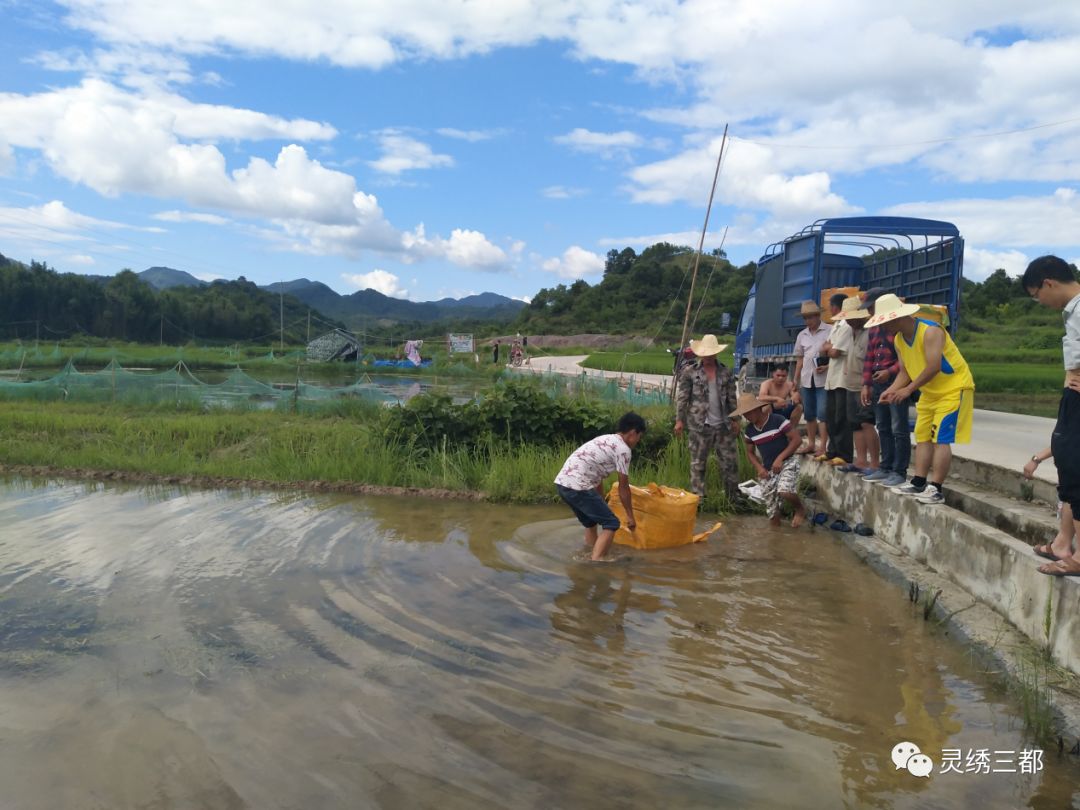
<point x="665" y="517"/>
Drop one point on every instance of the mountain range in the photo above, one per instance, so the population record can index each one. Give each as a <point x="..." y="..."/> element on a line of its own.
<point x="363" y="306"/>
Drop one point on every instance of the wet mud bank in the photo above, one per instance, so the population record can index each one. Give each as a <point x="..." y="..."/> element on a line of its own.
<point x="977" y="583"/>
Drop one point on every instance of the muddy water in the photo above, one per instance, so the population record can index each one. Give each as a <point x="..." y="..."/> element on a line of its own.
<point x="171" y="649"/>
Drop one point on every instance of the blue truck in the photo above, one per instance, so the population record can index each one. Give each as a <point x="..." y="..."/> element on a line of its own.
<point x="921" y="260"/>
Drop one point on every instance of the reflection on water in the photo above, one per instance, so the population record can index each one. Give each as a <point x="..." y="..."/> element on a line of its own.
<point x="163" y="648"/>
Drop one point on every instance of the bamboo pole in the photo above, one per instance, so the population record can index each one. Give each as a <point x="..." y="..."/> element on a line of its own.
<point x="701" y="247"/>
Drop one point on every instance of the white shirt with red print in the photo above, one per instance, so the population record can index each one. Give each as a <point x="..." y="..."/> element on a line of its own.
<point x="594" y="461"/>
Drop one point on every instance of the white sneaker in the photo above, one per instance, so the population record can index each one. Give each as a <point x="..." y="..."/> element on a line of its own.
<point x="931" y="495"/>
<point x="907" y="489"/>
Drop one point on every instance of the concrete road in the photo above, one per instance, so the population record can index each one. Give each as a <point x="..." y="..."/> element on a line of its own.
<point x="1005" y="439"/>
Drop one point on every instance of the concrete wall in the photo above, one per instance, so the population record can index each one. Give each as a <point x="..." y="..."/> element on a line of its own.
<point x="993" y="567"/>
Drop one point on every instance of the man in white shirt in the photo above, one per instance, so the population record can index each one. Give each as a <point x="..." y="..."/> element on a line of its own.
<point x="839" y="451"/>
<point x="810" y="375"/>
<point x="1052" y="282"/>
<point x="580" y="483"/>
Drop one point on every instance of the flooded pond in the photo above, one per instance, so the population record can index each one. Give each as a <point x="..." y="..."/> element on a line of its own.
<point x="167" y="648"/>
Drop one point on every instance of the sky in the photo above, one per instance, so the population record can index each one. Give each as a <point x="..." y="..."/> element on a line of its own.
<point x="431" y="148"/>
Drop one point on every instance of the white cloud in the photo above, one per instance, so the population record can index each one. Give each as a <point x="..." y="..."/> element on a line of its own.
<point x="401" y="153"/>
<point x="576" y="262"/>
<point x="563" y="192"/>
<point x="190" y="216"/>
<point x="526" y="298"/>
<point x="80" y="258"/>
<point x="464" y="248"/>
<point x="470" y="135"/>
<point x="378" y="280"/>
<point x="54" y="222"/>
<point x="605" y="144"/>
<point x="748" y="179"/>
<point x="207" y="277"/>
<point x="978" y="264"/>
<point x="1051" y="221"/>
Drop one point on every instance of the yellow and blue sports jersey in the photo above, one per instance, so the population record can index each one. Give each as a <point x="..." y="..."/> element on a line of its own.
<point x="955" y="375"/>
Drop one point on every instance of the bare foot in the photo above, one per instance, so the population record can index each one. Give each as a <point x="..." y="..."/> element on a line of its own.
<point x="800" y="516"/>
<point x="604" y="559"/>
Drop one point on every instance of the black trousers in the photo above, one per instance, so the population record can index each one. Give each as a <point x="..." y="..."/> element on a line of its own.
<point x="841" y="438"/>
<point x="1065" y="444"/>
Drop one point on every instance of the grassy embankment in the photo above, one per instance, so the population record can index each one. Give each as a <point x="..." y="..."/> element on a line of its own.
<point x="345" y="442"/>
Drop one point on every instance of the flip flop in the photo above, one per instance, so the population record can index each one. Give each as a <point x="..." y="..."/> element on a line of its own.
<point x="1045" y="552"/>
<point x="820" y="519"/>
<point x="1051" y="570"/>
<point x="840" y="526"/>
<point x="863" y="530"/>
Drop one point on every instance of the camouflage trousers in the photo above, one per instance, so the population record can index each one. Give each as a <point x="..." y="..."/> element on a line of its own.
<point x="723" y="441"/>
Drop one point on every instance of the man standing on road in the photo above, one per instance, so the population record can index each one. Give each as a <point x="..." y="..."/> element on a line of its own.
<point x="879" y="370"/>
<point x="810" y="378"/>
<point x="931" y="364"/>
<point x="1052" y="282"/>
<point x="495" y="353"/>
<point x="704" y="403"/>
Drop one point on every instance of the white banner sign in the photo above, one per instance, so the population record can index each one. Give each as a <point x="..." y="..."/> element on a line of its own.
<point x="460" y="344"/>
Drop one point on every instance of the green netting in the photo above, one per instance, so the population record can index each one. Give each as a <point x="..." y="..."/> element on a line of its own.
<point x="114" y="383"/>
<point x="178" y="384"/>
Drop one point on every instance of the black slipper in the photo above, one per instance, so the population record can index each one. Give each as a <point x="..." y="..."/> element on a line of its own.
<point x="839" y="526"/>
<point x="1046" y="554"/>
<point x="863" y="530"/>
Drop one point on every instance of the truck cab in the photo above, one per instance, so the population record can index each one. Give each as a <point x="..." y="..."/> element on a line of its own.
<point x="920" y="260"/>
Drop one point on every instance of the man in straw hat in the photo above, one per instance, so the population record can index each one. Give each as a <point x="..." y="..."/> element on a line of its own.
<point x="931" y="364"/>
<point x="810" y="378"/>
<point x="860" y="417"/>
<point x="840" y="451"/>
<point x="1052" y="282"/>
<point x="703" y="404"/>
<point x="775" y="442"/>
<point x="879" y="370"/>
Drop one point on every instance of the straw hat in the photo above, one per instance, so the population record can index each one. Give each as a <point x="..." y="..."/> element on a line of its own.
<point x="707" y="346"/>
<point x="747" y="403"/>
<point x="889" y="308"/>
<point x="809" y="308"/>
<point x="852" y="308"/>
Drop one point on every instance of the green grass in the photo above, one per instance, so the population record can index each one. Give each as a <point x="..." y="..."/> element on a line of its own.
<point x="1017" y="378"/>
<point x="341" y="443"/>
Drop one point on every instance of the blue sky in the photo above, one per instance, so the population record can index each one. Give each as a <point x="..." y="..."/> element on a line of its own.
<point x="427" y="148"/>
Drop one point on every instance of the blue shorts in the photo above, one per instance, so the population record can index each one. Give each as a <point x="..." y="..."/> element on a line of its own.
<point x="786" y="411"/>
<point x="813" y="402"/>
<point x="589" y="508"/>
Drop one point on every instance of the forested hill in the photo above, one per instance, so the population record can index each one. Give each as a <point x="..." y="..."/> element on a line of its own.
<point x="643" y="295"/>
<point x="36" y="301"/>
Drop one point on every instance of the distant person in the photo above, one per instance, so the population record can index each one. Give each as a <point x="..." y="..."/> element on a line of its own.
<point x="810" y="378"/>
<point x="931" y="364"/>
<point x="860" y="417"/>
<point x="495" y="353"/>
<point x="891" y="419"/>
<point x="840" y="451"/>
<point x="772" y="443"/>
<point x="1061" y="547"/>
<point x="1052" y="282"/>
<point x="525" y="342"/>
<point x="704" y="400"/>
<point x="779" y="392"/>
<point x="580" y="483"/>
